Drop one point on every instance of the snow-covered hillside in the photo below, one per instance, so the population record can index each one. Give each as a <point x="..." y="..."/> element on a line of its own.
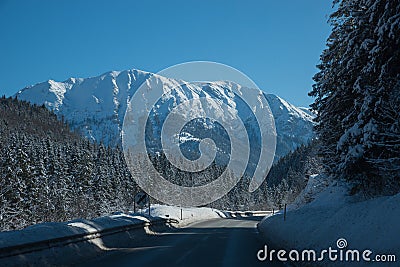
<point x="96" y="106"/>
<point x="325" y="215"/>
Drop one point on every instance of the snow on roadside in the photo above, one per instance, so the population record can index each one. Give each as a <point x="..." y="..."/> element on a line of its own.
<point x="325" y="212"/>
<point x="46" y="231"/>
<point x="189" y="215"/>
<point x="58" y="244"/>
<point x="52" y="230"/>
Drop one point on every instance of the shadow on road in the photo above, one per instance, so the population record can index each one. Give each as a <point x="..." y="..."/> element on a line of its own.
<point x="218" y="242"/>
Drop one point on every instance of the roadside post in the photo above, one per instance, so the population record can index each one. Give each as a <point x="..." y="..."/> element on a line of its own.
<point x="284" y="213"/>
<point x="149" y="206"/>
<point x="141" y="200"/>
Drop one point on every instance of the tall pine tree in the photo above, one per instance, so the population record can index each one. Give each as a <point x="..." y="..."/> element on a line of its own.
<point x="357" y="95"/>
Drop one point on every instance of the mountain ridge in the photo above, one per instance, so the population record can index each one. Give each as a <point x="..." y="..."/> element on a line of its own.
<point x="96" y="105"/>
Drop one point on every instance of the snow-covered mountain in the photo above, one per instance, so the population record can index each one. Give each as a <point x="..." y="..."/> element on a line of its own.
<point x="96" y="106"/>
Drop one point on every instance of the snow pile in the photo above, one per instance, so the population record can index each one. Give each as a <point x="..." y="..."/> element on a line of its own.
<point x="319" y="218"/>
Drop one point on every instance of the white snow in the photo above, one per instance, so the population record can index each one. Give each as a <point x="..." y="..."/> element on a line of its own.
<point x="325" y="212"/>
<point x="189" y="215"/>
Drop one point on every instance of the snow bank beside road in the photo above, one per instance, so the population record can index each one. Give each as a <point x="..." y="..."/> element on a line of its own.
<point x="325" y="212"/>
<point x="66" y="243"/>
<point x="47" y="231"/>
<point x="54" y="230"/>
<point x="189" y="215"/>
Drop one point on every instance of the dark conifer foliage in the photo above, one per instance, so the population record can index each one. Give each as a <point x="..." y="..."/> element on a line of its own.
<point x="286" y="179"/>
<point x="357" y="93"/>
<point x="48" y="173"/>
<point x="290" y="174"/>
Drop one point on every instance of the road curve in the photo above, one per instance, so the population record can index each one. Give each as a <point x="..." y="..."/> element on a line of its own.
<point x="217" y="242"/>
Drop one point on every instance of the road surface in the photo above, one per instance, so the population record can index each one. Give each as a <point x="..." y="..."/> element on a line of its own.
<point x="217" y="242"/>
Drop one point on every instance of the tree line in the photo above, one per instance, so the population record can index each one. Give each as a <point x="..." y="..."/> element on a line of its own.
<point x="50" y="173"/>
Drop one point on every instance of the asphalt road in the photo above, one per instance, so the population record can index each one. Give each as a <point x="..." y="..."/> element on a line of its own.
<point x="217" y="242"/>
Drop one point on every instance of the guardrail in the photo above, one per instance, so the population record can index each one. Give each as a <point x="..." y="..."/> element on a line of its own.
<point x="76" y="238"/>
<point x="247" y="213"/>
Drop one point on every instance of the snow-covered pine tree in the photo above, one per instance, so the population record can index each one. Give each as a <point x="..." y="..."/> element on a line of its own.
<point x="357" y="95"/>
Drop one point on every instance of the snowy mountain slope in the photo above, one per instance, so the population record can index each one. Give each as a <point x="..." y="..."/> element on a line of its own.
<point x="96" y="106"/>
<point x="293" y="125"/>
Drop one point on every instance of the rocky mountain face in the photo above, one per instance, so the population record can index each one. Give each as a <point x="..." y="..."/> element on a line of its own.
<point x="96" y="106"/>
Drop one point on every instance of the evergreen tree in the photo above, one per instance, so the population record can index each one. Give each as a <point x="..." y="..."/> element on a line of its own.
<point x="357" y="95"/>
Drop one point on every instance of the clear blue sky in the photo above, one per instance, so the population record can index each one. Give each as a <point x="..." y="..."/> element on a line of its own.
<point x="277" y="43"/>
